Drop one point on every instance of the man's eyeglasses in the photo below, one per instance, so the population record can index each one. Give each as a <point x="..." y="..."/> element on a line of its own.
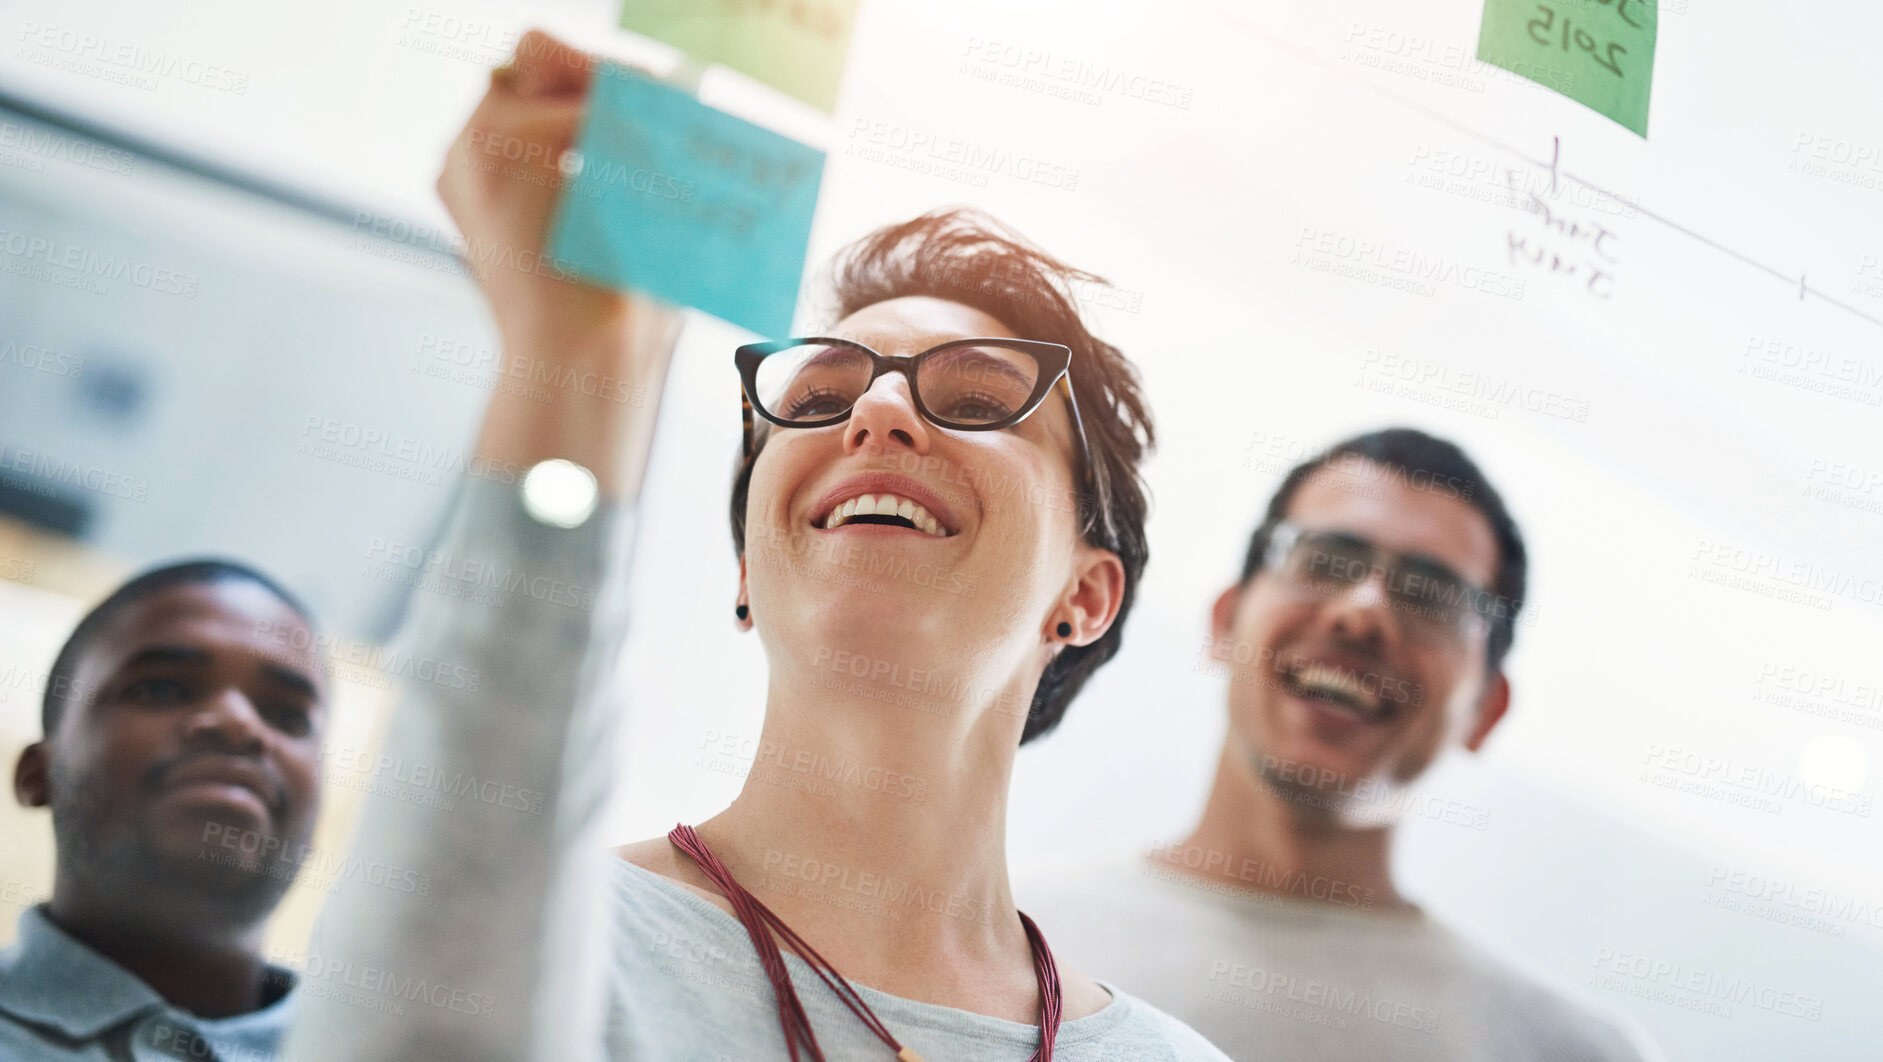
<point x="964" y="384"/>
<point x="1435" y="602"/>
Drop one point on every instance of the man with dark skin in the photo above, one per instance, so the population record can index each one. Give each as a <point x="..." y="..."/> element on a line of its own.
<point x="181" y="765"/>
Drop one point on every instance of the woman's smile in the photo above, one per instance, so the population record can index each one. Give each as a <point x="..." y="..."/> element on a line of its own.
<point x="880" y="502"/>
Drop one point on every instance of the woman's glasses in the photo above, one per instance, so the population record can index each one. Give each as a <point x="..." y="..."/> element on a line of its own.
<point x="964" y="384"/>
<point x="1435" y="602"/>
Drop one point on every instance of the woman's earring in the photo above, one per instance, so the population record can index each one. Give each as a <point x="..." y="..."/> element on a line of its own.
<point x="1065" y="629"/>
<point x="742" y="612"/>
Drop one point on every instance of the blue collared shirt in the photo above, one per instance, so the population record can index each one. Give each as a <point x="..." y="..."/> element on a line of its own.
<point x="60" y="1001"/>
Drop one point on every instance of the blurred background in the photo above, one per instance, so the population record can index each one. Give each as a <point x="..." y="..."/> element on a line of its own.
<point x="1306" y="214"/>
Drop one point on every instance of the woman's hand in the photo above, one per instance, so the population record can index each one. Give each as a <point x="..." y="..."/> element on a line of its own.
<point x="582" y="364"/>
<point x="501" y="181"/>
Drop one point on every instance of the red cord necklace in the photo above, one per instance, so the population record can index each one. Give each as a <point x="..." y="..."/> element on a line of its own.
<point x="756" y="917"/>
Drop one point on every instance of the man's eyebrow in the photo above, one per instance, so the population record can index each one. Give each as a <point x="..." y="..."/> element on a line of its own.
<point x="288" y="676"/>
<point x="194" y="657"/>
<point x="1428" y="561"/>
<point x="167" y="654"/>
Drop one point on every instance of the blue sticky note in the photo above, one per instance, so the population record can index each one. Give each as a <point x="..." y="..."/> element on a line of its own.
<point x="688" y="204"/>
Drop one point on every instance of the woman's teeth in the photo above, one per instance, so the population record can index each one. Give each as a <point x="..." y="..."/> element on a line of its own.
<point x="885" y="505"/>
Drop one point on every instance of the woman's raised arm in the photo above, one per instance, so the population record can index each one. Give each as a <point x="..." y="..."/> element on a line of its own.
<point x="500" y="183"/>
<point x="475" y="927"/>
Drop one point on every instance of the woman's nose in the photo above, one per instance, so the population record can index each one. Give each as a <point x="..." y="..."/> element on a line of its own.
<point x="883" y="412"/>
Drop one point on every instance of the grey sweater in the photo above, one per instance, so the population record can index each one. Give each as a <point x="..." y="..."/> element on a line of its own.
<point x="1272" y="976"/>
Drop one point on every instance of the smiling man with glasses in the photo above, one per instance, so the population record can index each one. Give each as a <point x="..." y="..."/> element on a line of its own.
<point x="1364" y="639"/>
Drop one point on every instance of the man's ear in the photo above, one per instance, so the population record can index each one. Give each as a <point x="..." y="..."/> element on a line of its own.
<point x="1223" y="620"/>
<point x="29" y="776"/>
<point x="1096" y="594"/>
<point x="1492" y="704"/>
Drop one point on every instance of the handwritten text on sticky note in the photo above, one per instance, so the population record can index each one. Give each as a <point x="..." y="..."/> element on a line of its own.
<point x="688" y="203"/>
<point x="1599" y="53"/>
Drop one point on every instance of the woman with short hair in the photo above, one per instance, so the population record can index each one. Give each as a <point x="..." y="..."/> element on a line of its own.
<point x="940" y="527"/>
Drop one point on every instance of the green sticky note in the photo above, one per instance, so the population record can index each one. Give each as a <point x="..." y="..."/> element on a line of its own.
<point x="797" y="46"/>
<point x="1599" y="53"/>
